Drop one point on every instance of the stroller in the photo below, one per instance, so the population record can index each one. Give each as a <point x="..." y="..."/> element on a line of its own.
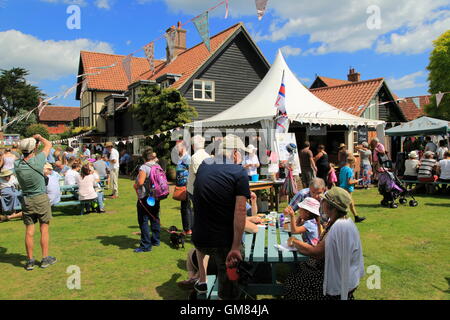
<point x="391" y="188"/>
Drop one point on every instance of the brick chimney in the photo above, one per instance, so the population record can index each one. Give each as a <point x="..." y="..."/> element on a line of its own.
<point x="353" y="76"/>
<point x="180" y="41"/>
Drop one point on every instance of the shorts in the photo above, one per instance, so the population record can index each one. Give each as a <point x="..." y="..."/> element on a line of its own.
<point x="36" y="208"/>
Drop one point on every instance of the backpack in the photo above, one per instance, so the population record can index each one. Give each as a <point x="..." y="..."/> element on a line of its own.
<point x="156" y="183"/>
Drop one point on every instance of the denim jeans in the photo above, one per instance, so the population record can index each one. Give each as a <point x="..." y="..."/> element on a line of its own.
<point x="186" y="214"/>
<point x="148" y="241"/>
<point x="100" y="199"/>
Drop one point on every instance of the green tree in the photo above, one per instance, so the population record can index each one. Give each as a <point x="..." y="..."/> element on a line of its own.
<point x="439" y="77"/>
<point x="159" y="110"/>
<point x="37" y="129"/>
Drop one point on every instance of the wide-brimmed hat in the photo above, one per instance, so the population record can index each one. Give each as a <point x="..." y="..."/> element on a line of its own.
<point x="338" y="198"/>
<point x="27" y="145"/>
<point x="232" y="141"/>
<point x="109" y="144"/>
<point x="48" y="166"/>
<point x="413" y="155"/>
<point x="342" y="145"/>
<point x="311" y="205"/>
<point x="251" y="148"/>
<point x="6" y="173"/>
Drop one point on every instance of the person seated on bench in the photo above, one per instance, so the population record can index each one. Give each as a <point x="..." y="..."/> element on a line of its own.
<point x="308" y="223"/>
<point x="427" y="169"/>
<point x="10" y="196"/>
<point x="53" y="187"/>
<point x="73" y="174"/>
<point x="86" y="188"/>
<point x="443" y="170"/>
<point x="98" y="189"/>
<point x="411" y="166"/>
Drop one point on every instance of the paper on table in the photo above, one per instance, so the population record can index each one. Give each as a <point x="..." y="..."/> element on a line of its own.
<point x="284" y="247"/>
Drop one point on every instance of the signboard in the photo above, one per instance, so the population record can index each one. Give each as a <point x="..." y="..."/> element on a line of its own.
<point x="363" y="134"/>
<point x="281" y="141"/>
<point x="9" y="139"/>
<point x="316" y="130"/>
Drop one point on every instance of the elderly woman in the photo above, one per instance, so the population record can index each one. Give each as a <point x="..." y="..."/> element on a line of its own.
<point x="10" y="196"/>
<point x="411" y="166"/>
<point x="365" y="163"/>
<point x="335" y="265"/>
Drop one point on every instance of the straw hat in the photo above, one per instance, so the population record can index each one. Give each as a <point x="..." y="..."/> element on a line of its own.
<point x="48" y="166"/>
<point x="109" y="144"/>
<point x="413" y="155"/>
<point x="6" y="173"/>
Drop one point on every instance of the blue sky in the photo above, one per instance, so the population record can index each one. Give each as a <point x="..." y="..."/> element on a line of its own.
<point x="379" y="38"/>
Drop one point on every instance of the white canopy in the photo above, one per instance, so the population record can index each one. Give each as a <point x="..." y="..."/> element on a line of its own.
<point x="301" y="105"/>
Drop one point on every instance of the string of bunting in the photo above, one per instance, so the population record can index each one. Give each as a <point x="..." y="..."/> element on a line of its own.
<point x="72" y="138"/>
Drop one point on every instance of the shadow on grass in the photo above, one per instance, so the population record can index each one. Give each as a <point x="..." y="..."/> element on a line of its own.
<point x="181" y="264"/>
<point x="443" y="205"/>
<point x="444" y="291"/>
<point x="12" y="258"/>
<point x="123" y="242"/>
<point x="169" y="289"/>
<point x="365" y="205"/>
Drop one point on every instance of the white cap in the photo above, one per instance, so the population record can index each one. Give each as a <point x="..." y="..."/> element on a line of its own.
<point x="251" y="148"/>
<point x="27" y="145"/>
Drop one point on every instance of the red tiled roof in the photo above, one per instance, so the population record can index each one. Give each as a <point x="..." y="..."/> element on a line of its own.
<point x="330" y="82"/>
<point x="410" y="109"/>
<point x="349" y="97"/>
<point x="63" y="114"/>
<point x="185" y="64"/>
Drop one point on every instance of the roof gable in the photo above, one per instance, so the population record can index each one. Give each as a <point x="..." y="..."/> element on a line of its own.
<point x="57" y="113"/>
<point x="321" y="82"/>
<point x="410" y="110"/>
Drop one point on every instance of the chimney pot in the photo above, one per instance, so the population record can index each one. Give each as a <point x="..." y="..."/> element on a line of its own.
<point x="353" y="76"/>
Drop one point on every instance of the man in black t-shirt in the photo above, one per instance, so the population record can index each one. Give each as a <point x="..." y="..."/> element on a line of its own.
<point x="221" y="191"/>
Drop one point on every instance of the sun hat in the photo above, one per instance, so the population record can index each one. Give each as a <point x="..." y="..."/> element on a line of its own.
<point x="338" y="198"/>
<point x="413" y="155"/>
<point x="232" y="141"/>
<point x="27" y="145"/>
<point x="48" y="166"/>
<point x="6" y="173"/>
<point x="311" y="205"/>
<point x="342" y="145"/>
<point x="109" y="144"/>
<point x="251" y="148"/>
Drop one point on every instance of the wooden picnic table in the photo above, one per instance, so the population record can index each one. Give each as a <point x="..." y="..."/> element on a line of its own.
<point x="260" y="248"/>
<point x="273" y="186"/>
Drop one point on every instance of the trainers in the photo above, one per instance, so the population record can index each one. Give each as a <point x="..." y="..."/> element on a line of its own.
<point x="138" y="250"/>
<point x="187" y="284"/>
<point x="359" y="219"/>
<point x="30" y="264"/>
<point x="48" y="261"/>
<point x="201" y="288"/>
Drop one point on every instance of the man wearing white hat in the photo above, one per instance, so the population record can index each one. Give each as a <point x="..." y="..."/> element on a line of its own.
<point x="251" y="161"/>
<point x="411" y="166"/>
<point x="114" y="159"/>
<point x="35" y="204"/>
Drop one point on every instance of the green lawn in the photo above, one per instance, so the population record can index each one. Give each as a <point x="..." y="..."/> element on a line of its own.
<point x="410" y="245"/>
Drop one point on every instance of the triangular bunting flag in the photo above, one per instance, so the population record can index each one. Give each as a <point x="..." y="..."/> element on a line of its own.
<point x="261" y="8"/>
<point x="170" y="38"/>
<point x="84" y="86"/>
<point x="201" y="22"/>
<point x="68" y="91"/>
<point x="149" y="50"/>
<point x="126" y="63"/>
<point x="226" y="9"/>
<point x="439" y="97"/>
<point x="416" y="102"/>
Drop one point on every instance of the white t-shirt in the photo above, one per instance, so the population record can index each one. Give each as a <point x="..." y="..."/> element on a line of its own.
<point x="115" y="156"/>
<point x="196" y="160"/>
<point x="71" y="177"/>
<point x="86" y="189"/>
<point x="445" y="169"/>
<point x="440" y="152"/>
<point x="251" y="159"/>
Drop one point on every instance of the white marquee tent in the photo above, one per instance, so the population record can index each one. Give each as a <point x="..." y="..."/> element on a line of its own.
<point x="301" y="105"/>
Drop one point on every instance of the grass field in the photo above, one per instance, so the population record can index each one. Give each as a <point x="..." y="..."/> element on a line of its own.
<point x="410" y="245"/>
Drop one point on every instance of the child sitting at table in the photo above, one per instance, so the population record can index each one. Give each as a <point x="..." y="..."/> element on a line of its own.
<point x="308" y="224"/>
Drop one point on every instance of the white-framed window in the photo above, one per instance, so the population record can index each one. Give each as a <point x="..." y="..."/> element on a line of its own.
<point x="204" y="90"/>
<point x="165" y="84"/>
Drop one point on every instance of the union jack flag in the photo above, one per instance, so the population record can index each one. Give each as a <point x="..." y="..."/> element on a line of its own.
<point x="281" y="118"/>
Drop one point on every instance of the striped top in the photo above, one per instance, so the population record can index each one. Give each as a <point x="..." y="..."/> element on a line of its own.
<point x="426" y="168"/>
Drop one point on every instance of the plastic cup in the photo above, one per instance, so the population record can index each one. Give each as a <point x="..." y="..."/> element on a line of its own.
<point x="151" y="201"/>
<point x="255" y="178"/>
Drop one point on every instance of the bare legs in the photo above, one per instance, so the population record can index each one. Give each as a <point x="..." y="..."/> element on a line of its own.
<point x="29" y="241"/>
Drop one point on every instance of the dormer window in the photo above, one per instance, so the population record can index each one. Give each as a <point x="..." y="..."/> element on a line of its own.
<point x="204" y="90"/>
<point x="165" y="84"/>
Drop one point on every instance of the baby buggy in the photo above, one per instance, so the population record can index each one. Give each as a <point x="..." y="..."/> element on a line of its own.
<point x="391" y="188"/>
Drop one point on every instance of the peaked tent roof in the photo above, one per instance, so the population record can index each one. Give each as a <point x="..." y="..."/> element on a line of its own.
<point x="420" y="126"/>
<point x="301" y="105"/>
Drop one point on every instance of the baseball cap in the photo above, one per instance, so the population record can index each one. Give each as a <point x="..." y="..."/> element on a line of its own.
<point x="27" y="145"/>
<point x="338" y="198"/>
<point x="311" y="205"/>
<point x="232" y="141"/>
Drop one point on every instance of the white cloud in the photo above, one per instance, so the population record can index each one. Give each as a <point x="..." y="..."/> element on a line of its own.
<point x="76" y="2"/>
<point x="290" y="51"/>
<point x="45" y="59"/>
<point x="407" y="82"/>
<point x="341" y="26"/>
<point x="103" y="4"/>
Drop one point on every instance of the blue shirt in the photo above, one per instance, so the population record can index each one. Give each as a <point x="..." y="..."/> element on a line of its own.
<point x="125" y="158"/>
<point x="53" y="188"/>
<point x="345" y="174"/>
<point x="311" y="236"/>
<point x="87" y="153"/>
<point x="299" y="197"/>
<point x="183" y="170"/>
<point x="51" y="158"/>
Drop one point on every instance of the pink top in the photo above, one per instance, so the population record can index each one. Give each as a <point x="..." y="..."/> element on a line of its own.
<point x="332" y="176"/>
<point x="86" y="189"/>
<point x="378" y="148"/>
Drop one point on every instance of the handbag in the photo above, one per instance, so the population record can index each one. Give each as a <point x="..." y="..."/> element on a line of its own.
<point x="180" y="193"/>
